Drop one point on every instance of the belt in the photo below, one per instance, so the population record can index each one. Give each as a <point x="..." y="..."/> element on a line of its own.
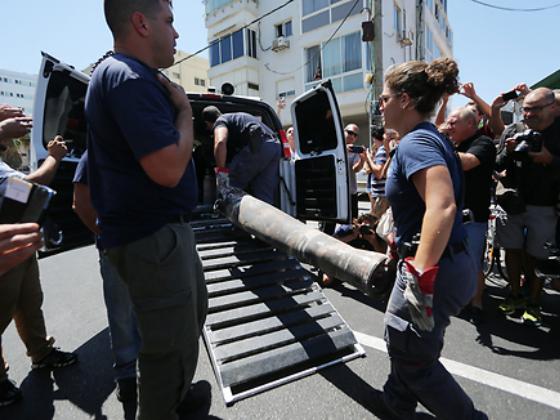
<point x="406" y="250"/>
<point x="179" y="218"/>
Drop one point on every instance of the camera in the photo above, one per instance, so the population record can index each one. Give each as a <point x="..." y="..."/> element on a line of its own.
<point x="357" y="149"/>
<point x="508" y="96"/>
<point x="527" y="141"/>
<point x="366" y="230"/>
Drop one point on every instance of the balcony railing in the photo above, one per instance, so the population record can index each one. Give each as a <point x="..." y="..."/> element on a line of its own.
<point x="212" y="5"/>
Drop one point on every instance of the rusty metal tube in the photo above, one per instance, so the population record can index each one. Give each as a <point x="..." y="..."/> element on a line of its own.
<point x="365" y="270"/>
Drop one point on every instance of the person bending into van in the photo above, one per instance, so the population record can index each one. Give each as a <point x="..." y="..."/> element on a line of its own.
<point x="21" y="296"/>
<point x="143" y="187"/>
<point x="247" y="150"/>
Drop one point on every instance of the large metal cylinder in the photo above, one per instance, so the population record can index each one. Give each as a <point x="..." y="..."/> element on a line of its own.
<point x="365" y="270"/>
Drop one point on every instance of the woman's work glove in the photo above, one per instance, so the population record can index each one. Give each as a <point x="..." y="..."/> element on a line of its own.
<point x="419" y="293"/>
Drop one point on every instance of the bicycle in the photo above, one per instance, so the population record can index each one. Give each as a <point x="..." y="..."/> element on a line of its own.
<point x="493" y="252"/>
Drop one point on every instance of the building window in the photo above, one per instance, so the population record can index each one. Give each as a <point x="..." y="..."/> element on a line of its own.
<point x="429" y="45"/>
<point x="215" y="53"/>
<point x="231" y="47"/>
<point x="253" y="86"/>
<point x="225" y="49"/>
<point x="291" y="92"/>
<point x="313" y="69"/>
<point x="237" y="42"/>
<point x="340" y="60"/>
<point x="310" y="6"/>
<point x="328" y="16"/>
<point x="430" y="5"/>
<point x="345" y="9"/>
<point x="199" y="82"/>
<point x="397" y="19"/>
<point x="315" y="21"/>
<point x="251" y="37"/>
<point x="284" y="29"/>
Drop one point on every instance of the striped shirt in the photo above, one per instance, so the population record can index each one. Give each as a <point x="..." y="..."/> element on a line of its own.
<point x="378" y="185"/>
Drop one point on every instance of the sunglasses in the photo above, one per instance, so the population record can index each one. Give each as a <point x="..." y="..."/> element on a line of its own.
<point x="537" y="108"/>
<point x="384" y="98"/>
<point x="352" y="133"/>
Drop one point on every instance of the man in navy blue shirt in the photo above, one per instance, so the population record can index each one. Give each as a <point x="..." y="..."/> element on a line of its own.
<point x="143" y="187"/>
<point x="247" y="150"/>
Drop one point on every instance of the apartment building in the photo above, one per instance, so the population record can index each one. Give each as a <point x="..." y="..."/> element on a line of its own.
<point x="191" y="74"/>
<point x="306" y="41"/>
<point x="18" y="89"/>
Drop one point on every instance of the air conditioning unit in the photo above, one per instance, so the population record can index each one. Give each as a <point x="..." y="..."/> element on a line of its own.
<point x="280" y="43"/>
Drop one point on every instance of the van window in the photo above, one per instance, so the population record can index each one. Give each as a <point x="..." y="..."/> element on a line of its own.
<point x="64" y="111"/>
<point x="315" y="124"/>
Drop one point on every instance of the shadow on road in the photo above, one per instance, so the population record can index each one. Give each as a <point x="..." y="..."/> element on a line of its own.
<point x="370" y="398"/>
<point x="86" y="385"/>
<point x="541" y="341"/>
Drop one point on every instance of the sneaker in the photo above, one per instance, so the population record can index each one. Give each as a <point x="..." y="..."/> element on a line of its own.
<point x="511" y="304"/>
<point x="56" y="359"/>
<point x="532" y="316"/>
<point x="126" y="389"/>
<point x="9" y="393"/>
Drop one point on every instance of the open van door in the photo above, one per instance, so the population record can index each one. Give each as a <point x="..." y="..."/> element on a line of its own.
<point x="320" y="169"/>
<point x="59" y="109"/>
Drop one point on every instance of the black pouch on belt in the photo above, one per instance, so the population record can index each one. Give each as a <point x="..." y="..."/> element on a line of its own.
<point x="255" y="138"/>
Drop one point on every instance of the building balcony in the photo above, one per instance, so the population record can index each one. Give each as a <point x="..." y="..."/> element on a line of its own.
<point x="223" y="8"/>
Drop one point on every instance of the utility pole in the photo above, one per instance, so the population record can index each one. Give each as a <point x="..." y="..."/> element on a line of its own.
<point x="377" y="60"/>
<point x="378" y="47"/>
<point x="420" y="36"/>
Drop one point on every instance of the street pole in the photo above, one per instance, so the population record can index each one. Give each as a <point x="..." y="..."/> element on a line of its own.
<point x="377" y="59"/>
<point x="378" y="47"/>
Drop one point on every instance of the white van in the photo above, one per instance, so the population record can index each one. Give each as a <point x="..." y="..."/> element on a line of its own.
<point x="313" y="187"/>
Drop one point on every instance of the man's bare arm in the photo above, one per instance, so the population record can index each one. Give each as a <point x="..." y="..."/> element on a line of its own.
<point x="166" y="166"/>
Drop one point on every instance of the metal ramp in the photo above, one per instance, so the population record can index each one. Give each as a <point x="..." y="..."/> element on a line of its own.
<point x="268" y="322"/>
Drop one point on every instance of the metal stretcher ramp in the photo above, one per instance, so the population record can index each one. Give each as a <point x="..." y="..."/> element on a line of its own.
<point x="268" y="322"/>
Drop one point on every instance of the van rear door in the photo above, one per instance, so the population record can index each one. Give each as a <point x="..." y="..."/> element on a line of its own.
<point x="321" y="171"/>
<point x="59" y="110"/>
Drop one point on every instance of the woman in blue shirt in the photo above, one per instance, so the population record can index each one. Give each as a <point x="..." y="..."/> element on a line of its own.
<point x="436" y="276"/>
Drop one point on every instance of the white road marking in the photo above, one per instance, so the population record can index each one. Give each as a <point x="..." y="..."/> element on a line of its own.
<point x="513" y="386"/>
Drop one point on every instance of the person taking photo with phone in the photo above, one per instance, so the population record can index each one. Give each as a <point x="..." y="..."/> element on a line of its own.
<point x="21" y="296"/>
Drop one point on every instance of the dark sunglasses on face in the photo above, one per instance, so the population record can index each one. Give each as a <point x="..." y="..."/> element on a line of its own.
<point x="536" y="108"/>
<point x="352" y="133"/>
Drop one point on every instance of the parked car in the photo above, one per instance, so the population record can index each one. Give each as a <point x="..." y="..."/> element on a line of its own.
<point x="313" y="187"/>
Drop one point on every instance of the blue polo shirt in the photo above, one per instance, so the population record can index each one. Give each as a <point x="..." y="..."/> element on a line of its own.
<point x="240" y="127"/>
<point x="420" y="149"/>
<point x="129" y="116"/>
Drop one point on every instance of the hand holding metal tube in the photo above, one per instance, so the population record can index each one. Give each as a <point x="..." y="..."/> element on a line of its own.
<point x="419" y="293"/>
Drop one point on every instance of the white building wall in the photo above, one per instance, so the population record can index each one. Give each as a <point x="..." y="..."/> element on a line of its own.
<point x="285" y="71"/>
<point x="395" y="49"/>
<point x="18" y="89"/>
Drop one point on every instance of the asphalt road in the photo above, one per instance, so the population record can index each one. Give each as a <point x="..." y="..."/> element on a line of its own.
<point x="510" y="370"/>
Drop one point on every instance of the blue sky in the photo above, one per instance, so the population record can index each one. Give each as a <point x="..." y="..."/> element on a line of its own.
<point x="495" y="49"/>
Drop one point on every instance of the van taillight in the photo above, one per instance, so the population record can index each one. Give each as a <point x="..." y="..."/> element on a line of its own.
<point x="212" y="96"/>
<point x="286" y="151"/>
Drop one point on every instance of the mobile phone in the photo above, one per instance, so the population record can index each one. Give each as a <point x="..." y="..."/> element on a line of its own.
<point x="24" y="201"/>
<point x="357" y="149"/>
<point x="508" y="96"/>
